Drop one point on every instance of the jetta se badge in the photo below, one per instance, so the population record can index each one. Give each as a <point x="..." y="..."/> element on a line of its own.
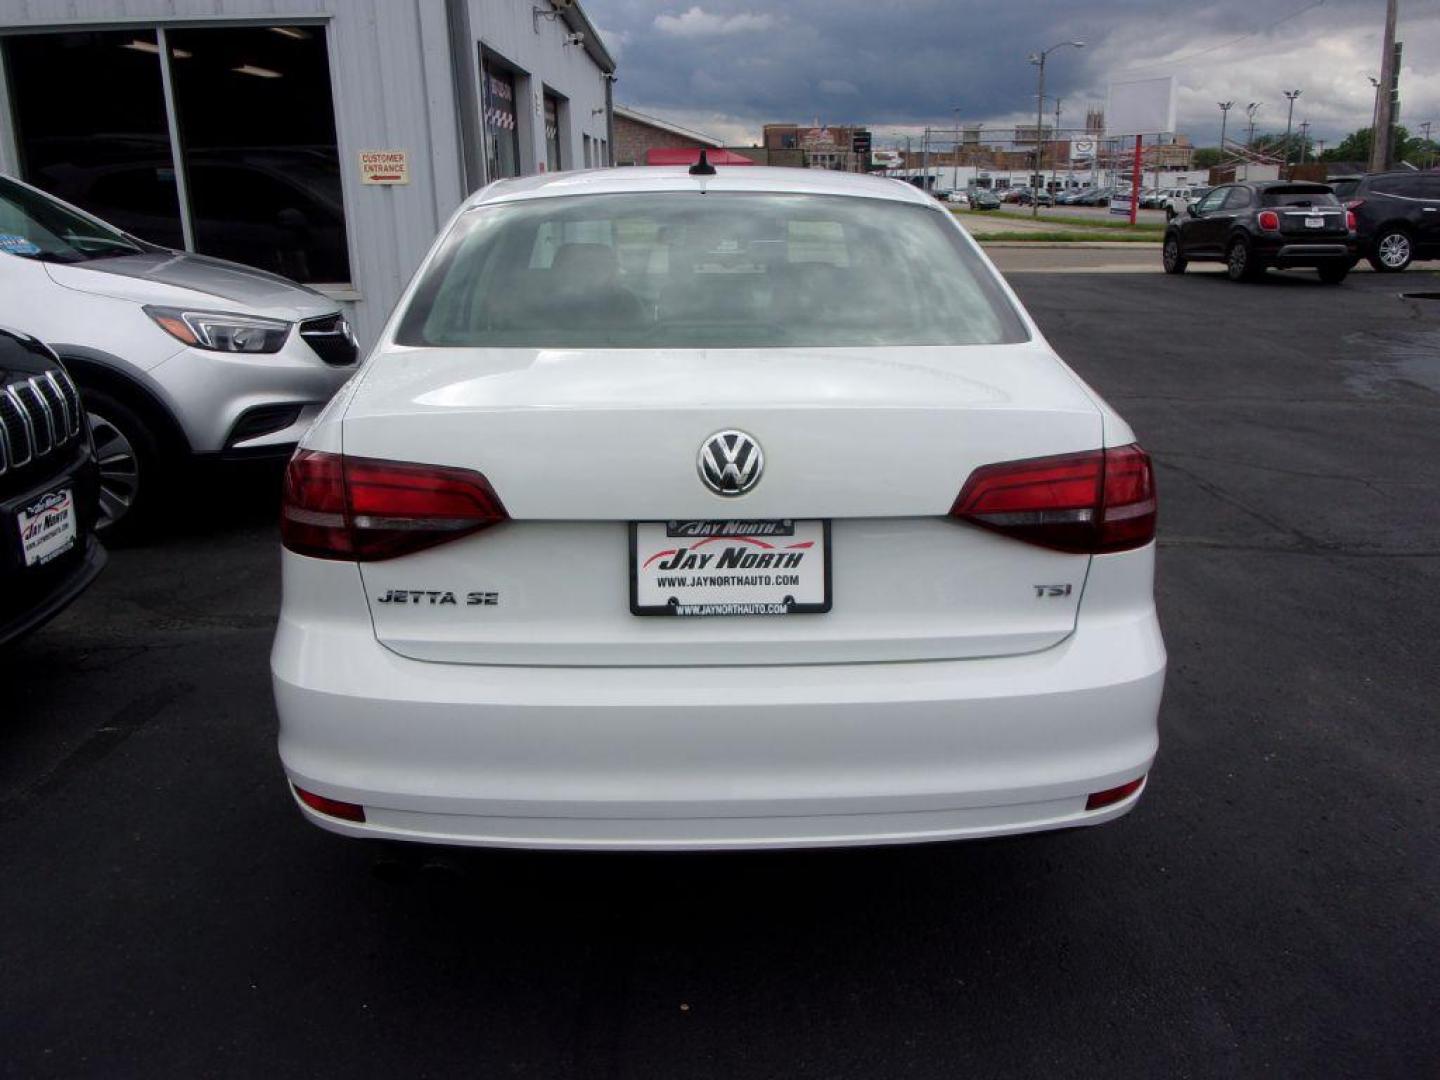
<point x="730" y="463"/>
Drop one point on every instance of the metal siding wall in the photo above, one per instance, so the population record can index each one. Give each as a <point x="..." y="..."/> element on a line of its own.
<point x="391" y="80"/>
<point x="507" y="27"/>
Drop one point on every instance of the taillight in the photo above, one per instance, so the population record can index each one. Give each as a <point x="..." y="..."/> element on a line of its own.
<point x="1350" y="222"/>
<point x="1269" y="220"/>
<point x="1110" y="796"/>
<point x="362" y="510"/>
<point x="1092" y="502"/>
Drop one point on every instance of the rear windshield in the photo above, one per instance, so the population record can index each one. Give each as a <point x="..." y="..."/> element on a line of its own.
<point x="1298" y="196"/>
<point x="1344" y="189"/>
<point x="711" y="271"/>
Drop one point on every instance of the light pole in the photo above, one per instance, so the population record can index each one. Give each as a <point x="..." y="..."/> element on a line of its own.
<point x="1290" y="96"/>
<point x="1304" y="139"/>
<point x="1250" y="111"/>
<point x="1038" y="59"/>
<point x="1225" y="107"/>
<point x="955" y="161"/>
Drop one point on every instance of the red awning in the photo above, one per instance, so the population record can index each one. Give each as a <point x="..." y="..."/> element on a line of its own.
<point x="689" y="155"/>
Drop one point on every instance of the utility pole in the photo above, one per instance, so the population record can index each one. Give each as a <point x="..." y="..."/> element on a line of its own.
<point x="1429" y="150"/>
<point x="1290" y="96"/>
<point x="1225" y="107"/>
<point x="1304" y="139"/>
<point x="1385" y="92"/>
<point x="1250" y="111"/>
<point x="925" y="160"/>
<point x="1054" y="158"/>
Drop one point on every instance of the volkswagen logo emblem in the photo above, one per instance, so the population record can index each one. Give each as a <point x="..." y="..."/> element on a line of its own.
<point x="731" y="463"/>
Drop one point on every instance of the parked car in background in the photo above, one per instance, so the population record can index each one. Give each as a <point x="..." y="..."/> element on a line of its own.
<point x="49" y="488"/>
<point x="1397" y="216"/>
<point x="1178" y="200"/>
<point x="1259" y="224"/>
<point x="1152" y="199"/>
<point x="178" y="357"/>
<point x="1072" y="198"/>
<point x="984" y="199"/>
<point x="688" y="401"/>
<point x="1095" y="197"/>
<point x="1028" y="197"/>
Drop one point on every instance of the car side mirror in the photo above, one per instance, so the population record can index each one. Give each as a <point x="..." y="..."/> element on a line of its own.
<point x="1193" y="209"/>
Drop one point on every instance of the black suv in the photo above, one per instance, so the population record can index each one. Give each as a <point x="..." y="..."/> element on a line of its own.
<point x="1397" y="216"/>
<point x="49" y="488"/>
<point x="1258" y="224"/>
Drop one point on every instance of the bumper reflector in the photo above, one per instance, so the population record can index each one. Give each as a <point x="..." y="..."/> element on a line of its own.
<point x="1112" y="795"/>
<point x="346" y="811"/>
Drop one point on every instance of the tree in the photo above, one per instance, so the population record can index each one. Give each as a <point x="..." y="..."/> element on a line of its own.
<point x="1206" y="157"/>
<point x="1356" y="147"/>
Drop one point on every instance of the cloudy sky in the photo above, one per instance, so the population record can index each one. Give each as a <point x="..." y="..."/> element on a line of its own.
<point x="728" y="66"/>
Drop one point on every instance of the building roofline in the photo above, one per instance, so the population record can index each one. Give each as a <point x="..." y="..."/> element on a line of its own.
<point x="665" y="125"/>
<point x="577" y="20"/>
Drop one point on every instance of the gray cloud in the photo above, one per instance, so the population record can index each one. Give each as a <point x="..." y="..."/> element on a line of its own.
<point x="731" y="65"/>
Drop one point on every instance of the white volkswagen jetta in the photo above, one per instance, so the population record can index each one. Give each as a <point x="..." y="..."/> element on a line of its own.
<point x="677" y="510"/>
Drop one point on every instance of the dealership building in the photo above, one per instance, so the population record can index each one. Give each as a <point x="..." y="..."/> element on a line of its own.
<point x="326" y="140"/>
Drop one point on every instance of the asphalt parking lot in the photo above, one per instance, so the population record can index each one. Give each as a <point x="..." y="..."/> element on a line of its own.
<point x="1272" y="907"/>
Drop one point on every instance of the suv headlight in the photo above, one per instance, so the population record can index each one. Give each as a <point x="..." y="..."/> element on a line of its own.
<point x="221" y="332"/>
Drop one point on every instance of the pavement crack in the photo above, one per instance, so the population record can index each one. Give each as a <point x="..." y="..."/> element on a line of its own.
<point x="103" y="741"/>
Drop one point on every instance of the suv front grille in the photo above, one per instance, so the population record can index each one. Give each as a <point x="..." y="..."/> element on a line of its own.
<point x="331" y="338"/>
<point x="39" y="415"/>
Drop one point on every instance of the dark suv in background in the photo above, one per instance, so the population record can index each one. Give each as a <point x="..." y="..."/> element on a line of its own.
<point x="1258" y="224"/>
<point x="1397" y="216"/>
<point x="49" y="488"/>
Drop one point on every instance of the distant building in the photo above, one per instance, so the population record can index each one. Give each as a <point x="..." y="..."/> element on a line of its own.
<point x="815" y="147"/>
<point x="637" y="133"/>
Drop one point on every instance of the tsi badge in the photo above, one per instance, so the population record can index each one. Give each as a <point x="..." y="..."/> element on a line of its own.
<point x="730" y="463"/>
<point x="1052" y="590"/>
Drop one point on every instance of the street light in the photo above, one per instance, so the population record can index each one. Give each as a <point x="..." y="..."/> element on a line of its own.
<point x="1225" y="107"/>
<point x="1290" y="96"/>
<point x="1038" y="59"/>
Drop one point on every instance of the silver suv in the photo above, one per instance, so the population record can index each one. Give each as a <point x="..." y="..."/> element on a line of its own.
<point x="176" y="355"/>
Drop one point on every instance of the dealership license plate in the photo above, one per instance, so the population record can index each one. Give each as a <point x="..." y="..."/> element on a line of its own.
<point x="48" y="527"/>
<point x="701" y="568"/>
<point x="1314" y="222"/>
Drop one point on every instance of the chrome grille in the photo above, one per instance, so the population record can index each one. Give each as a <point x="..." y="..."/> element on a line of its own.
<point x="39" y="415"/>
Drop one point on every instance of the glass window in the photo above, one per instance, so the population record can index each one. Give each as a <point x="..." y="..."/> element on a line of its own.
<point x="684" y="270"/>
<point x="1212" y="201"/>
<point x="552" y="134"/>
<point x="1238" y="198"/>
<point x="1299" y="196"/>
<point x="502" y="142"/>
<point x="257" y="139"/>
<point x="1345" y="189"/>
<point x="258" y="129"/>
<point x="90" y="123"/>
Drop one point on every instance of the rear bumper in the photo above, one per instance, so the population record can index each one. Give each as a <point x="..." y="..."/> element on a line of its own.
<point x="1306" y="254"/>
<point x="718" y="757"/>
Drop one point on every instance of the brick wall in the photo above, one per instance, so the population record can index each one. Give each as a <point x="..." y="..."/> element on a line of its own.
<point x="633" y="139"/>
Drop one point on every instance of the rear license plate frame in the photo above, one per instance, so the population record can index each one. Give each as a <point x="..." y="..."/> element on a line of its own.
<point x="767" y="535"/>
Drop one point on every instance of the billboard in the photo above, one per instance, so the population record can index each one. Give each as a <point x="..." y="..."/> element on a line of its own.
<point x="1141" y="107"/>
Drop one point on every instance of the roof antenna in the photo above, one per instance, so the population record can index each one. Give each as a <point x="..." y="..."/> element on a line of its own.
<point x="703" y="166"/>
